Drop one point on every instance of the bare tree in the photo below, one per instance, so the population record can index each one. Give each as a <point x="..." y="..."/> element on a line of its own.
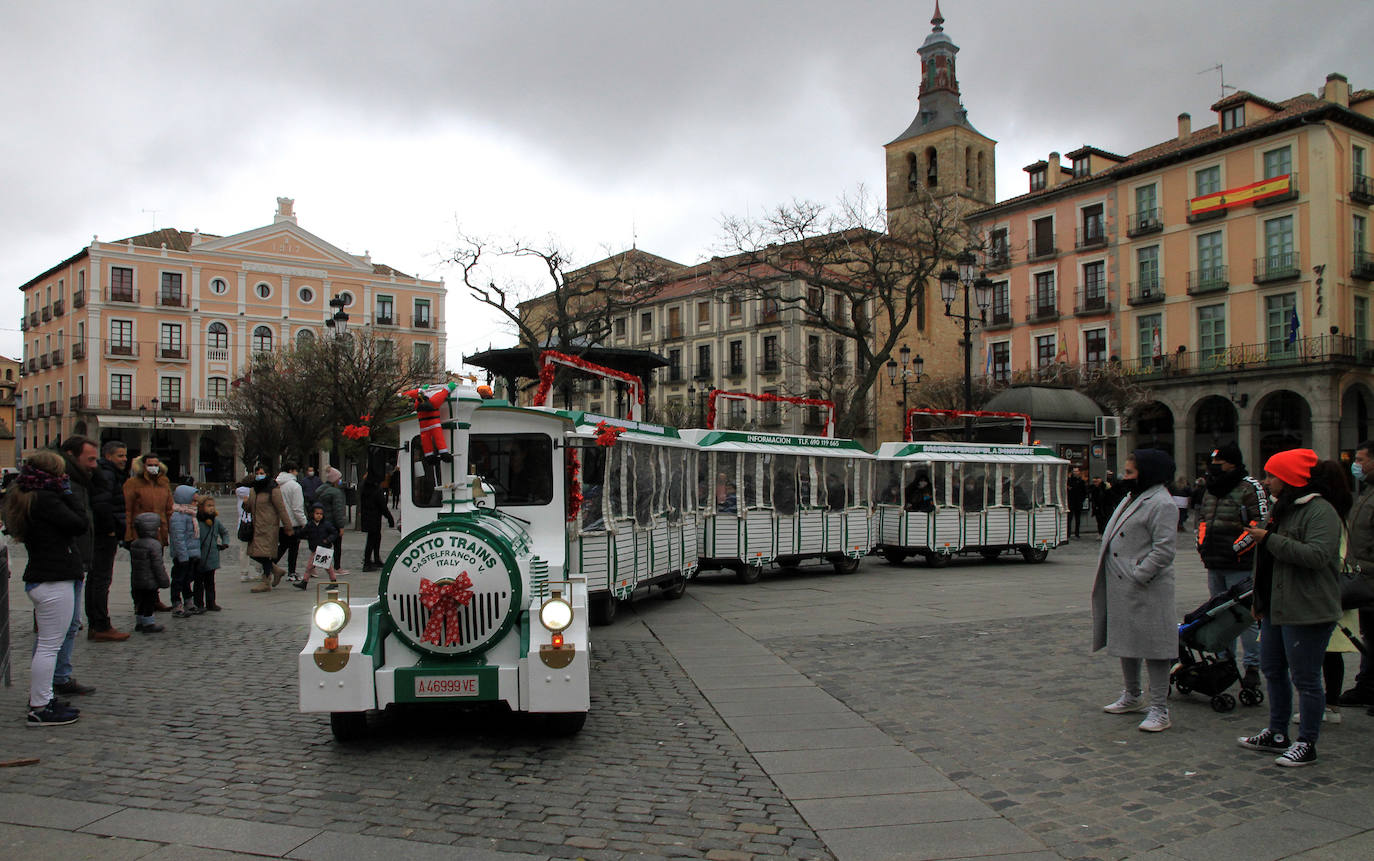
<point x="804" y="255"/>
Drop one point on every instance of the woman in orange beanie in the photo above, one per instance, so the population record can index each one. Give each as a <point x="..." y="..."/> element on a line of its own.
<point x="1297" y="601"/>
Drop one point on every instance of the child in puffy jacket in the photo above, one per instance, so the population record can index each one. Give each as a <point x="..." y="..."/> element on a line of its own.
<point x="147" y="572"/>
<point x="319" y="532"/>
<point x="214" y="538"/>
<point x="184" y="533"/>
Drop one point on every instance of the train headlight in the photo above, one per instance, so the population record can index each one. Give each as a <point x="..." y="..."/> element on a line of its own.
<point x="556" y="613"/>
<point x="331" y="614"/>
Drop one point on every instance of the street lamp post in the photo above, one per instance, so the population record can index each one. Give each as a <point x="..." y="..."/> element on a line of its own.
<point x="908" y="371"/>
<point x="338" y="326"/>
<point x="981" y="288"/>
<point x="145" y="415"/>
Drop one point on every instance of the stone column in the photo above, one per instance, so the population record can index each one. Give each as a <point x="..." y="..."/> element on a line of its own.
<point x="193" y="460"/>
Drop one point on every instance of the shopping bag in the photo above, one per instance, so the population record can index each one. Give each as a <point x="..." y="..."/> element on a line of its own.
<point x="323" y="558"/>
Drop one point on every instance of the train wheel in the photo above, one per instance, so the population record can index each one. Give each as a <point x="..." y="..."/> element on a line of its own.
<point x="936" y="560"/>
<point x="1035" y="554"/>
<point x="894" y="557"/>
<point x="676" y="589"/>
<point x="557" y="724"/>
<point x="845" y="564"/>
<point x="604" y="609"/>
<point x="348" y="726"/>
<point x="747" y="573"/>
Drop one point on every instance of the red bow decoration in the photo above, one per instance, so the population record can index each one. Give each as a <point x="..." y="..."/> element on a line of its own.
<point x="442" y="601"/>
<point x="356" y="432"/>
<point x="606" y="435"/>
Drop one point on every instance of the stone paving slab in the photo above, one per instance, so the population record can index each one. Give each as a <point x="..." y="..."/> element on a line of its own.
<point x="784" y="738"/>
<point x="1273" y="837"/>
<point x="929" y="841"/>
<point x="211" y="832"/>
<point x="896" y="809"/>
<point x="49" y="844"/>
<point x="824" y="719"/>
<point x="354" y="847"/>
<point x="21" y="809"/>
<point x="862" y="782"/>
<point x="885" y="755"/>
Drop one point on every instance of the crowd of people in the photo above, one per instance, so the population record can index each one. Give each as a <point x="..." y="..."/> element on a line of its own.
<point x="1285" y="541"/>
<point x="75" y="507"/>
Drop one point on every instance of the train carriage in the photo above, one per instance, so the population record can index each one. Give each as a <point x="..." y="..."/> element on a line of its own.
<point x="939" y="500"/>
<point x="780" y="499"/>
<point x="476" y="603"/>
<point x="634" y="525"/>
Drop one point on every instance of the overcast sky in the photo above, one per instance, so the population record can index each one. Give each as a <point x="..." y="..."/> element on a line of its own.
<point x="594" y="124"/>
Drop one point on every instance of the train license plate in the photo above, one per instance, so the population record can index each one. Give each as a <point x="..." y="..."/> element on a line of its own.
<point x="447" y="686"/>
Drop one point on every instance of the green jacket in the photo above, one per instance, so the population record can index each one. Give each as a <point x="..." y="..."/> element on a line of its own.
<point x="1297" y="572"/>
<point x="1360" y="523"/>
<point x="335" y="504"/>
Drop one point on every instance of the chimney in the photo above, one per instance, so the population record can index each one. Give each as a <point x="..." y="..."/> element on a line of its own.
<point x="1054" y="171"/>
<point x="1185" y="126"/>
<point x="1337" y="89"/>
<point x="285" y="210"/>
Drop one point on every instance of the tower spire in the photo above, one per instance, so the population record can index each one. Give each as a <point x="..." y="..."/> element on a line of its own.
<point x="939" y="20"/>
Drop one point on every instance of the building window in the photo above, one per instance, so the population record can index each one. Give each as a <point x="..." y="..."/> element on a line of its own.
<point x="1149" y="338"/>
<point x="1042" y="230"/>
<point x="262" y="339"/>
<point x="1280" y="315"/>
<point x="837" y="308"/>
<point x="1210" y="259"/>
<point x="169" y="340"/>
<point x="122" y="283"/>
<point x="263" y="290"/>
<point x="386" y="310"/>
<point x="1080" y="167"/>
<point x="1147" y="268"/>
<point x="674" y="323"/>
<point x="1359" y="232"/>
<point x="1037" y="179"/>
<point x="1361" y="325"/>
<point x="1045" y="301"/>
<point x="703" y="371"/>
<point x="1095" y="347"/>
<point x="646" y="324"/>
<point x="1001" y="361"/>
<point x="169" y="392"/>
<point x="306" y="295"/>
<point x="769" y="312"/>
<point x="386" y="348"/>
<point x="1001" y="303"/>
<point x="1044" y="350"/>
<point x="217" y="388"/>
<point x="999" y="253"/>
<point x="304" y="338"/>
<point x="1146" y="205"/>
<point x="813" y="354"/>
<point x="1278" y="162"/>
<point x="674" y="366"/>
<point x="1357" y="166"/>
<point x="219" y="286"/>
<point x="347" y="298"/>
<point x="1207" y="180"/>
<point x="1094" y="285"/>
<point x="422" y="319"/>
<point x="1094" y="225"/>
<point x="419" y="354"/>
<point x="736" y="358"/>
<point x="1233" y="118"/>
<point x="770" y="354"/>
<point x="121" y="337"/>
<point x="121" y="391"/>
<point x="736" y="307"/>
<point x="703" y="313"/>
<point x="1278" y="244"/>
<point x="620" y="327"/>
<point x="1211" y="330"/>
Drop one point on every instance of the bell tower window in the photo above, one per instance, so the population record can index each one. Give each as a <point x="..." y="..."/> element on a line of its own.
<point x="913" y="176"/>
<point x="932" y="168"/>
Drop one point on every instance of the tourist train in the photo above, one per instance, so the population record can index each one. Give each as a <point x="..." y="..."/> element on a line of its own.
<point x="525" y="526"/>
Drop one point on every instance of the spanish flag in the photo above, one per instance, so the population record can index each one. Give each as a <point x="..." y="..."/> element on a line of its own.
<point x="1242" y="196"/>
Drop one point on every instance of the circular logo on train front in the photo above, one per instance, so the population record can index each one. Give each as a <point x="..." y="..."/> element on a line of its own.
<point x="450" y="590"/>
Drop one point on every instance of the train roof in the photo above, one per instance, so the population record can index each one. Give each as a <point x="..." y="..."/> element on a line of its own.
<point x="965" y="451"/>
<point x="587" y="424"/>
<point x="774" y="443"/>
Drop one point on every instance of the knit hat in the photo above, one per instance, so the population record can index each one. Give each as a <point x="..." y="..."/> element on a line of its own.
<point x="1292" y="467"/>
<point x="1152" y="467"/>
<point x="1229" y="453"/>
<point x="332" y="475"/>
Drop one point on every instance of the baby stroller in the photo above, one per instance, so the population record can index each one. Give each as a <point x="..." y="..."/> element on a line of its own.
<point x="1204" y="635"/>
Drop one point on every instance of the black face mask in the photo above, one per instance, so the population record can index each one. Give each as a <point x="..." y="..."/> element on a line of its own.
<point x="1216" y="470"/>
<point x="1127" y="484"/>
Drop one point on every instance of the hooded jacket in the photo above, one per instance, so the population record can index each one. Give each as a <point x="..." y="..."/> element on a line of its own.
<point x="107" y="506"/>
<point x="293" y="496"/>
<point x="55" y="522"/>
<point x="145" y="493"/>
<point x="1233" y="500"/>
<point x="1297" y="569"/>
<point x="213" y="537"/>
<point x="183" y="530"/>
<point x="147" y="571"/>
<point x="324" y="532"/>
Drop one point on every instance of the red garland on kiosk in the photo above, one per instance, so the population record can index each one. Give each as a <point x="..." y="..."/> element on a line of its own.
<point x="607" y="434"/>
<point x="547" y="370"/>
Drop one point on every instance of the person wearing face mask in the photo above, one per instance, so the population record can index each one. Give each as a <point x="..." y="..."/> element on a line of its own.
<point x="148" y="490"/>
<point x="1234" y="499"/>
<point x="271" y="520"/>
<point x="1360" y="551"/>
<point x="1133" y="609"/>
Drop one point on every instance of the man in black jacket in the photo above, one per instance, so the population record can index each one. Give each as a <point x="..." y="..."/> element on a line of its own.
<point x="1233" y="501"/>
<point x="1078" y="494"/>
<point x="81" y="454"/>
<point x="107" y="509"/>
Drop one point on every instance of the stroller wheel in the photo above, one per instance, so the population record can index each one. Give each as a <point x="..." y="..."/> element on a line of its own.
<point x="1251" y="696"/>
<point x="1183" y="687"/>
<point x="1223" y="703"/>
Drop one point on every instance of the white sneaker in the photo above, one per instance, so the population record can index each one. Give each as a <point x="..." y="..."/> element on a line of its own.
<point x="1331" y="715"/>
<point x="1157" y="720"/>
<point x="1126" y="703"/>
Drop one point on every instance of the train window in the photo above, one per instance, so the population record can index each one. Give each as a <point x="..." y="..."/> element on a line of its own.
<point x="1021" y="486"/>
<point x="592" y="517"/>
<point x="518" y="466"/>
<point x="423" y="492"/>
<point x="939" y="481"/>
<point x="972" y="488"/>
<point x="724" y="488"/>
<point x="617" y="481"/>
<point x="837" y="473"/>
<point x="644" y="483"/>
<point x="890" y="480"/>
<point x="757" y="471"/>
<point x="919" y="492"/>
<point x="785" y="484"/>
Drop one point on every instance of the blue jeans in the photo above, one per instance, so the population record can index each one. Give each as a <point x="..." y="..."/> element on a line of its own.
<point x="63" y="671"/>
<point x="1291" y="657"/>
<point x="1218" y="582"/>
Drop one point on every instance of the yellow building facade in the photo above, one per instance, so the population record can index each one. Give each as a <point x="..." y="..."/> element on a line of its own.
<point x="141" y="339"/>
<point x="1226" y="270"/>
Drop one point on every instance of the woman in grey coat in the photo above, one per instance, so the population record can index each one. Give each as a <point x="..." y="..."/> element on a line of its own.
<point x="1134" y="616"/>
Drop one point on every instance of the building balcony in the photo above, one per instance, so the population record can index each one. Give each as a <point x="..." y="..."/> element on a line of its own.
<point x="78" y="403"/>
<point x="383" y="320"/>
<point x="998" y="259"/>
<point x="673" y="332"/>
<point x="1042" y="251"/>
<point x="1290" y="194"/>
<point x="1210" y="280"/>
<point x="1091" y="300"/>
<point x="174" y="354"/>
<point x="1210" y="215"/>
<point x="702" y="373"/>
<point x="734" y="371"/>
<point x="1090" y="236"/>
<point x="217" y="354"/>
<point x="28" y="413"/>
<point x="1363" y="266"/>
<point x="121" y="294"/>
<point x="1143" y="222"/>
<point x="674" y="374"/>
<point x="1362" y="189"/>
<point x="44" y="361"/>
<point x="1145" y="292"/>
<point x="23" y="322"/>
<point x="998" y="318"/>
<point x="121" y="350"/>
<point x="119" y="404"/>
<point x="47" y="313"/>
<point x="59" y="307"/>
<point x="770" y="365"/>
<point x="42" y="411"/>
<point x="1041" y="309"/>
<point x="32" y="365"/>
<point x="173" y="299"/>
<point x="1303" y="355"/>
<point x="210" y="406"/>
<point x="79" y="299"/>
<point x="421" y="323"/>
<point x="54" y="408"/>
<point x="166" y="406"/>
<point x="78" y="351"/>
<point x="1277" y="267"/>
<point x="58" y="358"/>
<point x="771" y="418"/>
